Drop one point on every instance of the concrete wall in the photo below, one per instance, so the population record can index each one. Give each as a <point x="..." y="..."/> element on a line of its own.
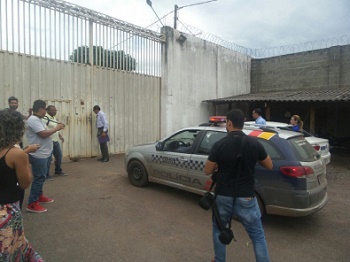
<point x="131" y="101"/>
<point x="194" y="70"/>
<point x="325" y="68"/>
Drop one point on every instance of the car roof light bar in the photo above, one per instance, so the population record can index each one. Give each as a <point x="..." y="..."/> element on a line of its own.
<point x="217" y="119"/>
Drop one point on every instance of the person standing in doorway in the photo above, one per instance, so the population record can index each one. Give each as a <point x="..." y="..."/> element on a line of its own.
<point x="37" y="133"/>
<point x="257" y="116"/>
<point x="102" y="132"/>
<point x="51" y="122"/>
<point x="234" y="191"/>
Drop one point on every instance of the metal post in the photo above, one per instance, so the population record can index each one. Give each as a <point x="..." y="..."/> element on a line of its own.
<point x="91" y="43"/>
<point x="175" y="15"/>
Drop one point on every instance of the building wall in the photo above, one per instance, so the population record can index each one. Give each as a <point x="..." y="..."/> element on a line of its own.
<point x="325" y="68"/>
<point x="131" y="101"/>
<point x="194" y="70"/>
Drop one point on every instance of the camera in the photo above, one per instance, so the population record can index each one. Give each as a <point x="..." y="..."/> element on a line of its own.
<point x="207" y="201"/>
<point x="226" y="236"/>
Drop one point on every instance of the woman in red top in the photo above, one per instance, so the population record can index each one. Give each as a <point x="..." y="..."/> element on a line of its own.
<point x="14" y="172"/>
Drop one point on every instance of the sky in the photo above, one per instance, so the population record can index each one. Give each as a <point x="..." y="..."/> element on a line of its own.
<point x="247" y="23"/>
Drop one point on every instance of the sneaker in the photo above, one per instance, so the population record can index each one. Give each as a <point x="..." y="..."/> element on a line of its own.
<point x="49" y="178"/>
<point x="61" y="174"/>
<point x="45" y="199"/>
<point x="36" y="208"/>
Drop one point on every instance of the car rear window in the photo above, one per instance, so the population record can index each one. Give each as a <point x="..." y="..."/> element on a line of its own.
<point x="302" y="149"/>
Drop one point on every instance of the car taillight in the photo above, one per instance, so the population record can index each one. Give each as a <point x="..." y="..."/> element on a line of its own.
<point x="317" y="147"/>
<point x="296" y="171"/>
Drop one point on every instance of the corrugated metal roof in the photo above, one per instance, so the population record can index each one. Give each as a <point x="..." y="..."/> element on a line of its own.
<point x="323" y="95"/>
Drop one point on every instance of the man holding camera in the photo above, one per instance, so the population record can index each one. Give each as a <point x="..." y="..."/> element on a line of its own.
<point x="234" y="191"/>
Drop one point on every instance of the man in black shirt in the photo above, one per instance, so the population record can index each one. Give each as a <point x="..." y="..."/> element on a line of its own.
<point x="223" y="158"/>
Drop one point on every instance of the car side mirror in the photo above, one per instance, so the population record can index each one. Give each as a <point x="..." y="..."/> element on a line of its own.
<point x="159" y="146"/>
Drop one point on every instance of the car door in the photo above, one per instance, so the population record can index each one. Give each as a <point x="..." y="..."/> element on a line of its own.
<point x="197" y="178"/>
<point x="172" y="162"/>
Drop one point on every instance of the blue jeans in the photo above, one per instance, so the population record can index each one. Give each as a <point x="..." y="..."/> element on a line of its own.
<point x="57" y="153"/>
<point x="247" y="210"/>
<point x="39" y="170"/>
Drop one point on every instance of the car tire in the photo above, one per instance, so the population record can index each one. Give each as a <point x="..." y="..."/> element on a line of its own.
<point x="137" y="174"/>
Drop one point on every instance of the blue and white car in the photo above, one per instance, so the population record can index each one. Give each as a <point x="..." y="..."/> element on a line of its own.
<point x="296" y="186"/>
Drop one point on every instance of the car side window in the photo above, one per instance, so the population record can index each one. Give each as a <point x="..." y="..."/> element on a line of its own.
<point x="181" y="142"/>
<point x="210" y="138"/>
<point x="271" y="150"/>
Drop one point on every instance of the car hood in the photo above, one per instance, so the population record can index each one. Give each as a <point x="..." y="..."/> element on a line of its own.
<point x="143" y="146"/>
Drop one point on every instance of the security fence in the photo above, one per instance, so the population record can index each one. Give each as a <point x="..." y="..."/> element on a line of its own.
<point x="64" y="31"/>
<point x="262" y="52"/>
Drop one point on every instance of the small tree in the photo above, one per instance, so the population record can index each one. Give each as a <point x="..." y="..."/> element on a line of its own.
<point x="105" y="58"/>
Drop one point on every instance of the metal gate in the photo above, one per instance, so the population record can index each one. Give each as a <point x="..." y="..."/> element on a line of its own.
<point x="75" y="58"/>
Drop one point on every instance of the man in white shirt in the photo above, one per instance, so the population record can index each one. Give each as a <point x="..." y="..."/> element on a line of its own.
<point x="51" y="122"/>
<point x="102" y="133"/>
<point x="37" y="133"/>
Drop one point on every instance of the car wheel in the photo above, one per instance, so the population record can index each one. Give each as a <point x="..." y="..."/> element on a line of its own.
<point x="261" y="205"/>
<point x="137" y="174"/>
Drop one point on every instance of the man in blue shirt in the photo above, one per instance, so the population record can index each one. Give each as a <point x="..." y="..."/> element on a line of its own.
<point x="102" y="133"/>
<point x="257" y="116"/>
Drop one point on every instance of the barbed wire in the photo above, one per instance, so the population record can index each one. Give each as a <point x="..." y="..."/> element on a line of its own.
<point x="261" y="52"/>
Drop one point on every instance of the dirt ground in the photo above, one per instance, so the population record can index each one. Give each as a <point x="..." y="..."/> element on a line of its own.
<point x="99" y="216"/>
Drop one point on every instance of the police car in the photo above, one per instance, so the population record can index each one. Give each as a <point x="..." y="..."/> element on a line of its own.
<point x="321" y="145"/>
<point x="296" y="186"/>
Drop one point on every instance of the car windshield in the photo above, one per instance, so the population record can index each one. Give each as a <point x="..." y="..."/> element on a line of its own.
<point x="181" y="142"/>
<point x="302" y="149"/>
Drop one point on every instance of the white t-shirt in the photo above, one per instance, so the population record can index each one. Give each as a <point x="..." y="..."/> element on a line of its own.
<point x="49" y="122"/>
<point x="34" y="126"/>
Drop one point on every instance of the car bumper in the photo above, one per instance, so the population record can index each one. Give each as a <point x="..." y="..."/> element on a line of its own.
<point x="326" y="159"/>
<point x="295" y="212"/>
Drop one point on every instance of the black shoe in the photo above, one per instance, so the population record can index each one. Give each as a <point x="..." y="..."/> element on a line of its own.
<point x="105" y="160"/>
<point x="100" y="159"/>
<point x="61" y="174"/>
